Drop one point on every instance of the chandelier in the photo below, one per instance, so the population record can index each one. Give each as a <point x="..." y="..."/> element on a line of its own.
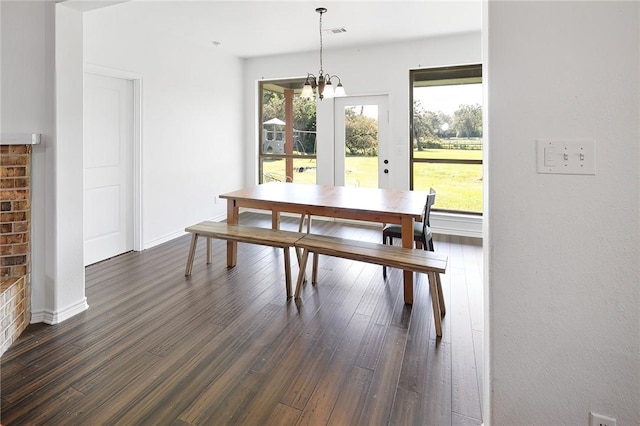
<point x="323" y="81"/>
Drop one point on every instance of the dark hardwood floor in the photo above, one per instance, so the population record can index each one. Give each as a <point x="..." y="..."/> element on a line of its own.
<point x="225" y="346"/>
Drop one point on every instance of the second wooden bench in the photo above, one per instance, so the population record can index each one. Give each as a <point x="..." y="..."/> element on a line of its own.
<point x="243" y="234"/>
<point x="428" y="262"/>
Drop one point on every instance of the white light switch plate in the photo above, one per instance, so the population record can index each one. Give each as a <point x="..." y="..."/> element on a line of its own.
<point x="566" y="157"/>
<point x="600" y="420"/>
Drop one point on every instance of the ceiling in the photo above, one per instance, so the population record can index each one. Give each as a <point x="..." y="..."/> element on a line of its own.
<point x="260" y="28"/>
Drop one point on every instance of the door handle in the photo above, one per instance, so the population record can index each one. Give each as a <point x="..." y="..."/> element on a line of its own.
<point x="386" y="161"/>
<point x="386" y="170"/>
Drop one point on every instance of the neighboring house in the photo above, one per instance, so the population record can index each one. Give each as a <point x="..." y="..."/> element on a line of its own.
<point x="274" y="141"/>
<point x="273" y="144"/>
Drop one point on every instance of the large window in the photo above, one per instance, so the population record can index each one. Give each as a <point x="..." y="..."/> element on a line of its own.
<point x="446" y="136"/>
<point x="287" y="141"/>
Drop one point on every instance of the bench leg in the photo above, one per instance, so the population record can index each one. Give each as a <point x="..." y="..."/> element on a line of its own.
<point x="208" y="251"/>
<point x="435" y="302"/>
<point x="303" y="266"/>
<point x="299" y="257"/>
<point x="443" y="311"/>
<point x="192" y="252"/>
<point x="300" y="225"/>
<point x="287" y="271"/>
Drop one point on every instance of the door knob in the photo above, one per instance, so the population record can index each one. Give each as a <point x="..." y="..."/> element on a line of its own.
<point x="386" y="170"/>
<point x="386" y="161"/>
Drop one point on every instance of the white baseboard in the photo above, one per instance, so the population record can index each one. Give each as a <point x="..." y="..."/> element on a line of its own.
<point x="163" y="239"/>
<point x="176" y="234"/>
<point x="55" y="317"/>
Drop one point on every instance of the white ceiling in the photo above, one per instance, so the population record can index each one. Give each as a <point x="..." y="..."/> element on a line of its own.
<point x="259" y="28"/>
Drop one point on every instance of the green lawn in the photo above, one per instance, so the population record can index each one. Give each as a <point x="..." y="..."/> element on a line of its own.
<point x="463" y="154"/>
<point x="459" y="186"/>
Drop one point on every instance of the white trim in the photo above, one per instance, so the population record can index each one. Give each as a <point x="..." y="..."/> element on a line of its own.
<point x="163" y="239"/>
<point x="111" y="72"/>
<point x="176" y="234"/>
<point x="55" y="317"/>
<point x="36" y="317"/>
<point x="461" y="225"/>
<point x="136" y="80"/>
<point x="137" y="164"/>
<point x="339" y="138"/>
<point x="20" y="138"/>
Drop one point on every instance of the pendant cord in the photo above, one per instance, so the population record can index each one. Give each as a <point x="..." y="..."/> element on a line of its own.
<point x="321" y="71"/>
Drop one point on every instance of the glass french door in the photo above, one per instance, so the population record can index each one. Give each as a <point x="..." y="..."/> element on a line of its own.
<point x="361" y="138"/>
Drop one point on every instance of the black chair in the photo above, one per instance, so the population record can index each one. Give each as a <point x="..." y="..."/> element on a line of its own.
<point x="421" y="230"/>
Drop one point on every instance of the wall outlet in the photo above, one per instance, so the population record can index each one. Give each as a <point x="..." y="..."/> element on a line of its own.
<point x="600" y="420"/>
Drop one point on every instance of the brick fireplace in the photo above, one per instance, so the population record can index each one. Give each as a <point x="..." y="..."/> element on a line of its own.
<point x="15" y="251"/>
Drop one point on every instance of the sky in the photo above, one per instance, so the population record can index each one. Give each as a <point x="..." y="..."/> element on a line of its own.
<point x="448" y="98"/>
<point x="441" y="98"/>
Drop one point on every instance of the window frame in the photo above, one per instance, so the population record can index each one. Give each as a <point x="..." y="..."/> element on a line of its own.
<point x="296" y="85"/>
<point x="445" y="76"/>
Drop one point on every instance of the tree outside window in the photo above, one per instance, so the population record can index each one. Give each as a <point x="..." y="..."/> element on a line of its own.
<point x="446" y="136"/>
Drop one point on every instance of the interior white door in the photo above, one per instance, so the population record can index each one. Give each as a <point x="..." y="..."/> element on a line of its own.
<point x="108" y="167"/>
<point x="362" y="141"/>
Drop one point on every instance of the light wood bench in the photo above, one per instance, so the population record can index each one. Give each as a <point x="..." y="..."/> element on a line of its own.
<point x="243" y="234"/>
<point x="428" y="262"/>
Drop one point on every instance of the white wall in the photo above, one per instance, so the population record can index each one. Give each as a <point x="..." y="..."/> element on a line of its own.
<point x="563" y="251"/>
<point x="24" y="106"/>
<point x="380" y="69"/>
<point x="25" y="101"/>
<point x="27" y="107"/>
<point x="33" y="70"/>
<point x="192" y="144"/>
<point x="65" y="174"/>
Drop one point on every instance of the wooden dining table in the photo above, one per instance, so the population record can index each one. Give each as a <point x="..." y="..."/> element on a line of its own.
<point x="363" y="204"/>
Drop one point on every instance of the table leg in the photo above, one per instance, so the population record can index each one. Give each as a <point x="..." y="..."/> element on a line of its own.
<point x="275" y="219"/>
<point x="232" y="219"/>
<point x="407" y="241"/>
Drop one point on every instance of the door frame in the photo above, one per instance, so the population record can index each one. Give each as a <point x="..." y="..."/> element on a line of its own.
<point x="384" y="150"/>
<point x="136" y="156"/>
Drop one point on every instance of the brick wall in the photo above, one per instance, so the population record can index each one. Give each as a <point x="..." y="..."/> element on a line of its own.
<point x="15" y="252"/>
<point x="15" y="313"/>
